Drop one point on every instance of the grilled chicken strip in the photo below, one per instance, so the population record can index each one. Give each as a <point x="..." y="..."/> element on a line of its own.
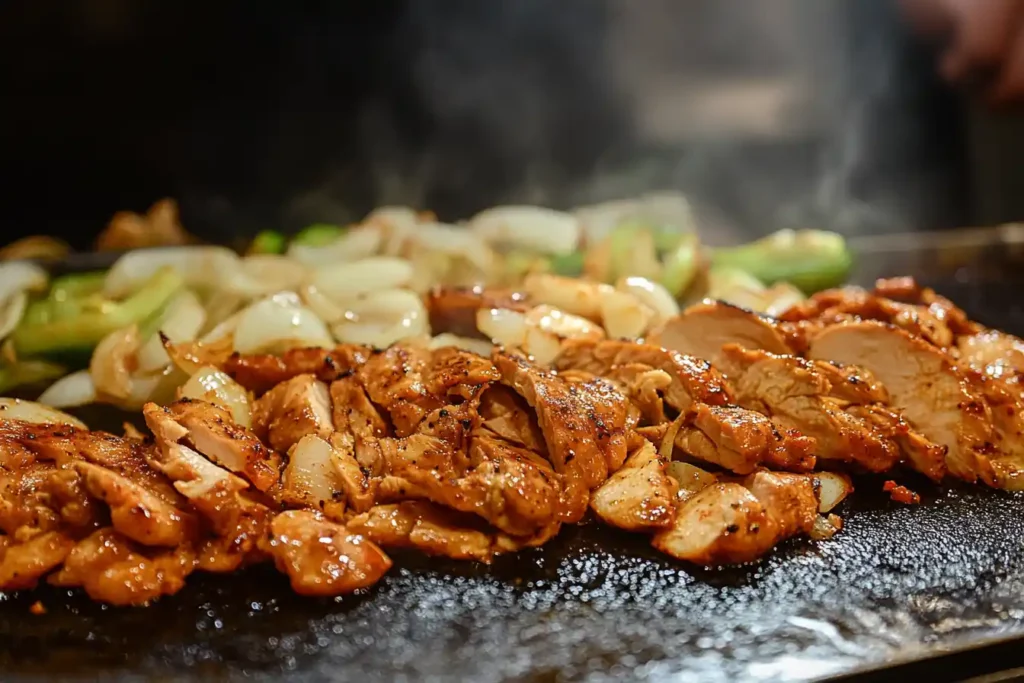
<point x="640" y="496"/>
<point x="733" y="523"/>
<point x="453" y="309"/>
<point x="291" y="410"/>
<point x="796" y="396"/>
<point x="23" y="564"/>
<point x="996" y="354"/>
<point x="261" y="372"/>
<point x="928" y="390"/>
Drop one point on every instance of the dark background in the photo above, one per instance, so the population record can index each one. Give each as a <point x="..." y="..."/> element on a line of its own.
<point x="270" y="114"/>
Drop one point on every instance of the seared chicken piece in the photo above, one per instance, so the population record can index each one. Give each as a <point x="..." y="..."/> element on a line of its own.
<point x="851" y="383"/>
<point x="261" y="372"/>
<point x="796" y="396"/>
<point x="409" y="382"/>
<point x="322" y="557"/>
<point x="291" y="410"/>
<point x="996" y="354"/>
<point x="703" y="329"/>
<point x="42" y="497"/>
<point x="640" y="496"/>
<point x="738" y="440"/>
<point x="924" y="456"/>
<point x="730" y="523"/>
<point x="111" y="569"/>
<point x="584" y="427"/>
<point x="839" y="305"/>
<point x="212" y="431"/>
<point x="925" y="387"/>
<point x="353" y="411"/>
<point x="424" y="526"/>
<point x="506" y="415"/>
<point x="23" y="564"/>
<point x="693" y="379"/>
<point x="906" y="290"/>
<point x="136" y="513"/>
<point x="453" y="309"/>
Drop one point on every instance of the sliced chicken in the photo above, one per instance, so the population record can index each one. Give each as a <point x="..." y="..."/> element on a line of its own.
<point x="907" y="290"/>
<point x="261" y="372"/>
<point x="732" y="523"/>
<point x="354" y="413"/>
<point x="925" y="387"/>
<point x="703" y="329"/>
<point x="23" y="564"/>
<point x="322" y="557"/>
<point x="640" y="496"/>
<point x="426" y="527"/>
<point x="996" y="354"/>
<point x="738" y="440"/>
<point x="42" y="496"/>
<point x="291" y="410"/>
<point x="453" y="309"/>
<point x="851" y="383"/>
<point x="693" y="379"/>
<point x="584" y="427"/>
<point x="506" y="415"/>
<point x="795" y="394"/>
<point x="113" y="570"/>
<point x="212" y="431"/>
<point x="923" y="455"/>
<point x="409" y="382"/>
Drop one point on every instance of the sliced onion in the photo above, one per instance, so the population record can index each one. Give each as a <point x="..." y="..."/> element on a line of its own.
<point x="277" y="323"/>
<point x="189" y="357"/>
<point x="383" y="318"/>
<point x="262" y="274"/>
<point x="533" y="228"/>
<point x="652" y="295"/>
<point x="11" y="312"/>
<point x="624" y="316"/>
<point x="214" y="386"/>
<point x="477" y="346"/>
<point x="223" y="330"/>
<point x="113" y="362"/>
<point x="452" y="240"/>
<point x="691" y="478"/>
<point x="780" y="297"/>
<point x="184" y="318"/>
<point x="572" y="295"/>
<point x="348" y="280"/>
<point x="561" y="324"/>
<point x="352" y="245"/>
<point x="221" y="306"/>
<point x="30" y="411"/>
<point x="310" y="474"/>
<point x="319" y="303"/>
<point x="504" y="326"/>
<point x="832" y="490"/>
<point x="70" y="391"/>
<point x="200" y="267"/>
<point x="542" y="346"/>
<point x="20" y="276"/>
<point x="398" y="223"/>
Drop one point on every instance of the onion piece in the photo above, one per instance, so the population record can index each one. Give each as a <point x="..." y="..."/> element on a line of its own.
<point x="278" y="323"/>
<point x="477" y="346"/>
<point x="200" y="267"/>
<point x="11" y="312"/>
<point x="189" y="357"/>
<point x="184" y="318"/>
<point x="504" y="326"/>
<point x="533" y="228"/>
<point x="70" y="391"/>
<point x="344" y="281"/>
<point x="652" y="295"/>
<point x="572" y="295"/>
<point x="263" y="274"/>
<point x="20" y="276"/>
<point x="832" y="490"/>
<point x="397" y="223"/>
<point x="113" y="361"/>
<point x="691" y="479"/>
<point x="561" y="324"/>
<point x="310" y="475"/>
<point x="624" y="316"/>
<point x="215" y="386"/>
<point x="352" y="245"/>
<point x="383" y="318"/>
<point x="319" y="303"/>
<point x="450" y="240"/>
<point x="37" y="413"/>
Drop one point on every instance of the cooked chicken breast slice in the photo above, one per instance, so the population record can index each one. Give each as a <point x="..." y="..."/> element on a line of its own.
<point x="638" y="497"/>
<point x="693" y="379"/>
<point x="261" y="372"/>
<point x="907" y="290"/>
<point x="584" y="427"/>
<point x="796" y="396"/>
<point x="354" y="413"/>
<point x="321" y="557"/>
<point x="996" y="354"/>
<point x="44" y="497"/>
<point x="703" y="329"/>
<point x="426" y="527"/>
<point x="506" y="415"/>
<point x="291" y="410"/>
<point x="212" y="490"/>
<point x="923" y="455"/>
<point x="852" y="384"/>
<point x="453" y="309"/>
<point x="23" y="564"/>
<point x="135" y="512"/>
<point x="112" y="570"/>
<point x="212" y="431"/>
<point x="925" y="388"/>
<point x="730" y="523"/>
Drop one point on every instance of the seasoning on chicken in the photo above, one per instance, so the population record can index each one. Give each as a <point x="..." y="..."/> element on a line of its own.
<point x="291" y="410"/>
<point x="23" y="564"/>
<point x="261" y="372"/>
<point x="640" y="496"/>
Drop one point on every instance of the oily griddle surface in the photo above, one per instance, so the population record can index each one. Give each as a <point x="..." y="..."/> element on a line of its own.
<point x="899" y="582"/>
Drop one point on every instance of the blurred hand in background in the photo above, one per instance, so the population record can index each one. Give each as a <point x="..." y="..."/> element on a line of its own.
<point x="983" y="43"/>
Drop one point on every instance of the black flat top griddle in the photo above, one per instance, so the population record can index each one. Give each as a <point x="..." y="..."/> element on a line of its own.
<point x="934" y="592"/>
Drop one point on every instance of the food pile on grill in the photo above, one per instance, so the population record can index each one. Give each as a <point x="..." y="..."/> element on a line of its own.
<point x="718" y="436"/>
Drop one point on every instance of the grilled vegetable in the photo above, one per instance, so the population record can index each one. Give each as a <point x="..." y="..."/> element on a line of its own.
<point x="810" y="259"/>
<point x="268" y="242"/>
<point x="318" y="235"/>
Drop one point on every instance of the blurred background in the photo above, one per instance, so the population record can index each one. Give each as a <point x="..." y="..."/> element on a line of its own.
<point x="254" y="115"/>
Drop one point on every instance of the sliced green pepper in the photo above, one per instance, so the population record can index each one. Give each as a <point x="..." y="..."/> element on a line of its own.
<point x="25" y="373"/>
<point x="318" y="235"/>
<point x="680" y="265"/>
<point x="569" y="265"/>
<point x="267" y="242"/>
<point x="810" y="259"/>
<point x="66" y="330"/>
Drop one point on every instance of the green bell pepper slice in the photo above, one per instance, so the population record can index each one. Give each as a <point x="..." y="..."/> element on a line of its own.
<point x="811" y="260"/>
<point x="318" y="235"/>
<point x="267" y="242"/>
